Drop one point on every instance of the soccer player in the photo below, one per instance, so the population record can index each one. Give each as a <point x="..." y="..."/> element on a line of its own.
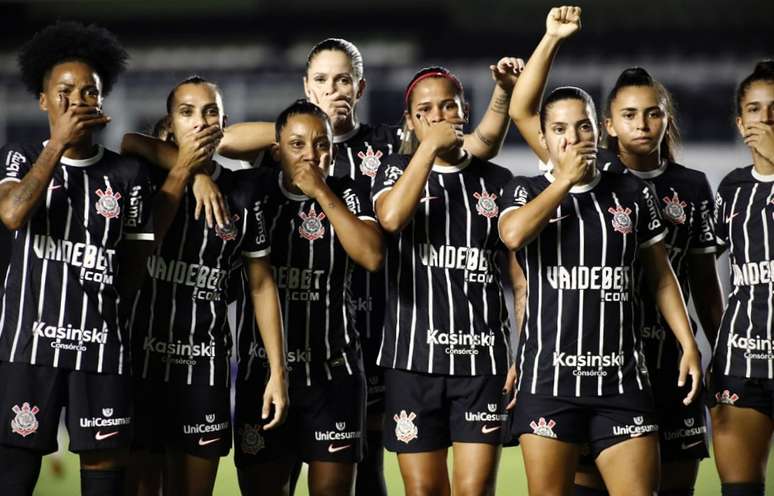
<point x="75" y="210"/>
<point x="742" y="383"/>
<point x="445" y="342"/>
<point x="334" y="80"/>
<point x="180" y="336"/>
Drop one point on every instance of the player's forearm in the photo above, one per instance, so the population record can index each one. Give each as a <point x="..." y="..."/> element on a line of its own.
<point x="245" y="140"/>
<point x="487" y="139"/>
<point x="362" y="240"/>
<point x="154" y="150"/>
<point x="529" y="88"/>
<point x="396" y="207"/>
<point x="706" y="293"/>
<point x="167" y="201"/>
<point x="518" y="227"/>
<point x="265" y="299"/>
<point x="18" y="200"/>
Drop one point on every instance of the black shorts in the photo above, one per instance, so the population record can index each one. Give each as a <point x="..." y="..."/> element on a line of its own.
<point x="374" y="376"/>
<point x="426" y="412"/>
<point x="682" y="429"/>
<point x="98" y="407"/>
<point x="325" y="422"/>
<point x="595" y="422"/>
<point x="195" y="419"/>
<point x="757" y="394"/>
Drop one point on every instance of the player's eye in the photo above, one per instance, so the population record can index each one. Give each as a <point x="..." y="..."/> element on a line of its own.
<point x="628" y="115"/>
<point x="450" y="106"/>
<point x="586" y="127"/>
<point x="297" y="144"/>
<point x="656" y="114"/>
<point x="186" y="111"/>
<point x="345" y="80"/>
<point x="753" y="108"/>
<point x="319" y="79"/>
<point x="213" y="111"/>
<point x="92" y="92"/>
<point x="558" y="129"/>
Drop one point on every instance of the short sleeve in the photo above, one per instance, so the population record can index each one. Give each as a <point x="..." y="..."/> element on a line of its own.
<point x="15" y="164"/>
<point x="650" y="225"/>
<point x="703" y="237"/>
<point x="389" y="174"/>
<point x="721" y="221"/>
<point x="516" y="194"/>
<point x="256" y="242"/>
<point x="358" y="202"/>
<point x="138" y="220"/>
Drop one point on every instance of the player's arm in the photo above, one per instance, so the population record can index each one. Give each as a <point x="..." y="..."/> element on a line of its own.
<point x="519" y="226"/>
<point x="519" y="284"/>
<point x="561" y="23"/>
<point x="706" y="292"/>
<point x="154" y="150"/>
<point x="395" y="207"/>
<point x="361" y="239"/>
<point x="265" y="299"/>
<point x="665" y="289"/>
<point x="245" y="140"/>
<point x="20" y="199"/>
<point x="487" y="139"/>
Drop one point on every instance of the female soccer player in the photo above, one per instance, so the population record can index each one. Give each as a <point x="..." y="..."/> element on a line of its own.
<point x="181" y="342"/>
<point x="743" y="363"/>
<point x="335" y="81"/>
<point x="75" y="210"/>
<point x="445" y="341"/>
<point x="641" y="139"/>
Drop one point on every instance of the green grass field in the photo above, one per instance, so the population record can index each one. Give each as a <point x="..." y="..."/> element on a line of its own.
<point x="510" y="481"/>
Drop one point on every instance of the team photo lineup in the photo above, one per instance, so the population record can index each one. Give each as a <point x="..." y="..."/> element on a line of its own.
<point x="383" y="287"/>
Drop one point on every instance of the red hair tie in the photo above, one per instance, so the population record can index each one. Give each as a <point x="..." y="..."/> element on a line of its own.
<point x="442" y="74"/>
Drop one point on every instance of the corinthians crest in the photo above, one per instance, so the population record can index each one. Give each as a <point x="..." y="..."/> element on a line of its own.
<point x="107" y="205"/>
<point x="486" y="205"/>
<point x="405" y="430"/>
<point x="229" y="231"/>
<point x="311" y="228"/>
<point x="25" y="422"/>
<point x="543" y="428"/>
<point x="252" y="439"/>
<point x="674" y="210"/>
<point x="369" y="161"/>
<point x="622" y="222"/>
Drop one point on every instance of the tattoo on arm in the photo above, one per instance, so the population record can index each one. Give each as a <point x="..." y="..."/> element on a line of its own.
<point x="501" y="103"/>
<point x="25" y="190"/>
<point x="488" y="141"/>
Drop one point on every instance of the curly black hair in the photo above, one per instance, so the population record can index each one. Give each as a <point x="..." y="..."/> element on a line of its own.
<point x="69" y="41"/>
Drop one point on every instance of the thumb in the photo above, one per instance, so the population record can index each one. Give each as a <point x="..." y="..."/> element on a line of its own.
<point x="563" y="144"/>
<point x="266" y="407"/>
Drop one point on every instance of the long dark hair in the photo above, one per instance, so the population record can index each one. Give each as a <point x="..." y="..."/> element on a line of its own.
<point x="637" y="76"/>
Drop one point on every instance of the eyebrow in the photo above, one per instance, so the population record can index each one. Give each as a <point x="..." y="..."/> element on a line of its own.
<point x="625" y="109"/>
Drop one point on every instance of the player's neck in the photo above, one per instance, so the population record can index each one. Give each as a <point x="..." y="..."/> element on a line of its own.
<point x="80" y="151"/>
<point x="346" y="127"/>
<point x="642" y="163"/>
<point x="589" y="177"/>
<point x="452" y="157"/>
<point x="761" y="165"/>
<point x="287" y="183"/>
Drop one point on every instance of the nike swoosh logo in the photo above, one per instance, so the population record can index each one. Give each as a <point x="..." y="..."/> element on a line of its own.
<point x="334" y="449"/>
<point x="203" y="442"/>
<point x="728" y="219"/>
<point x="557" y="219"/>
<point x="427" y="199"/>
<point x="54" y="186"/>
<point x="101" y="437"/>
<point x="487" y="430"/>
<point x="691" y="445"/>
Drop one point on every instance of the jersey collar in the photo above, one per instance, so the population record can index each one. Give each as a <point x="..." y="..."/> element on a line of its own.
<point x="764" y="178"/>
<point x="651" y="174"/>
<point x="85" y="162"/>
<point x="446" y="169"/>
<point x="289" y="195"/>
<point x="341" y="138"/>
<point x="583" y="188"/>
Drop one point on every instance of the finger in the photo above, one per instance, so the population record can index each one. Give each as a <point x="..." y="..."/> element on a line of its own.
<point x="218" y="213"/>
<point x="224" y="207"/>
<point x="555" y="13"/>
<point x="511" y="403"/>
<point x="63" y="102"/>
<point x="208" y="213"/>
<point x="198" y="209"/>
<point x="279" y="409"/>
<point x="266" y="409"/>
<point x="563" y="144"/>
<point x="695" y="383"/>
<point x="520" y="65"/>
<point x="95" y="122"/>
<point x="563" y="13"/>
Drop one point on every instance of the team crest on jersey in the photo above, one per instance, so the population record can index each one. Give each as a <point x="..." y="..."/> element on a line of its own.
<point x="229" y="231"/>
<point x="674" y="210"/>
<point x="543" y="428"/>
<point x="312" y="227"/>
<point x="486" y="206"/>
<point x="107" y="205"/>
<point x="369" y="161"/>
<point x="252" y="439"/>
<point x="405" y="430"/>
<point x="25" y="422"/>
<point x="622" y="222"/>
<point x="726" y="397"/>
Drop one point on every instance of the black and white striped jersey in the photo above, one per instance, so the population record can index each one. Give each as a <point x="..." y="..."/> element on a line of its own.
<point x="744" y="215"/>
<point x="445" y="310"/>
<point x="313" y="275"/>
<point x="686" y="202"/>
<point x="580" y="333"/>
<point x="180" y="332"/>
<point x="60" y="297"/>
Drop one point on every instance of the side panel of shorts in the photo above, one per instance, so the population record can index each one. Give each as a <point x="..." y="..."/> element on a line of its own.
<point x="374" y="375"/>
<point x="742" y="392"/>
<point x="682" y="428"/>
<point x="31" y="399"/>
<point x="426" y="412"/>
<point x="326" y="422"/>
<point x="194" y="419"/>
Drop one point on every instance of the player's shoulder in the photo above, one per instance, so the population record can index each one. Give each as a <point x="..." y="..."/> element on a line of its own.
<point x="381" y="134"/>
<point x="622" y="183"/>
<point x="491" y="171"/>
<point x="608" y="161"/>
<point x="16" y="152"/>
<point x="737" y="177"/>
<point x="127" y="166"/>
<point x="686" y="175"/>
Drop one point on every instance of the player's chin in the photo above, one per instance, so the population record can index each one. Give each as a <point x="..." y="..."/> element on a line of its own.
<point x="642" y="146"/>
